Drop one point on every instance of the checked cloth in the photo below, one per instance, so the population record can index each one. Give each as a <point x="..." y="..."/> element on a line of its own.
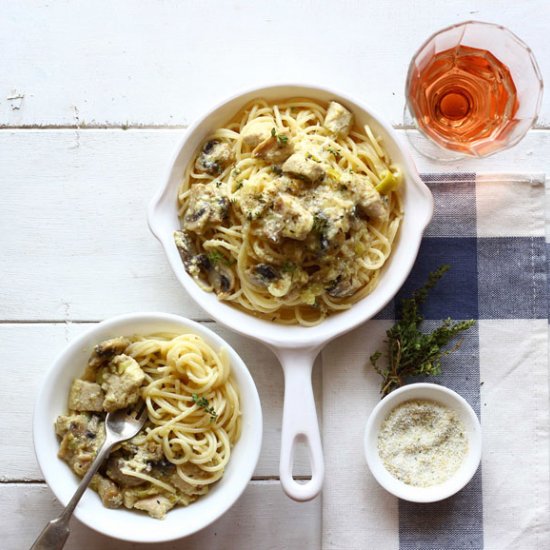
<point x="491" y="230"/>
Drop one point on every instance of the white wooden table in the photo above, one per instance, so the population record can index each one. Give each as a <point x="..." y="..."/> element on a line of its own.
<point x="93" y="98"/>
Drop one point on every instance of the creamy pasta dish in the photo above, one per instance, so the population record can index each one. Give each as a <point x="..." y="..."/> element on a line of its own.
<point x="194" y="420"/>
<point x="290" y="211"/>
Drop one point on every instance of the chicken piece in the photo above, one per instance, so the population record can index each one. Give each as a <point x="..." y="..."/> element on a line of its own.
<point x="257" y="130"/>
<point x="208" y="204"/>
<point x="214" y="157"/>
<point x="194" y="472"/>
<point x="82" y="434"/>
<point x="368" y="199"/>
<point x="86" y="396"/>
<point x="332" y="211"/>
<point x="121" y="382"/>
<point x="288" y="218"/>
<point x="303" y="167"/>
<point x="275" y="149"/>
<point x="102" y="354"/>
<point x="155" y="506"/>
<point x="338" y="119"/>
<point x="109" y="493"/>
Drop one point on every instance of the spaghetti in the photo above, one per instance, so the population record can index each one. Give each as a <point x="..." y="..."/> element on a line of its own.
<point x="290" y="211"/>
<point x="194" y="420"/>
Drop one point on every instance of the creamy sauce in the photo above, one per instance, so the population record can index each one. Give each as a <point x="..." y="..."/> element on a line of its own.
<point x="422" y="443"/>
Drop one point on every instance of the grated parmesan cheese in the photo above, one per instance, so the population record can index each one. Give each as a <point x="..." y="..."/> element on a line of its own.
<point x="422" y="443"/>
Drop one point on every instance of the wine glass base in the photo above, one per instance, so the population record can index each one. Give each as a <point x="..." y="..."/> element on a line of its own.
<point x="424" y="145"/>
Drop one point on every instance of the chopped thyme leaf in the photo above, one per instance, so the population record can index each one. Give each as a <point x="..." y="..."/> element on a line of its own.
<point x="282" y="139"/>
<point x="239" y="185"/>
<point x="320" y="222"/>
<point x="216" y="256"/>
<point x="313" y="157"/>
<point x="288" y="267"/>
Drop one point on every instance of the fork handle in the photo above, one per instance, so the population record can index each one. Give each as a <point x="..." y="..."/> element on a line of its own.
<point x="56" y="532"/>
<point x="53" y="536"/>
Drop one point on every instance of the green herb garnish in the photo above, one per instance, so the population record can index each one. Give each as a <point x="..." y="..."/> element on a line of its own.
<point x="282" y="139"/>
<point x="320" y="222"/>
<point x="216" y="256"/>
<point x="288" y="267"/>
<point x="411" y="352"/>
<point x="309" y="156"/>
<point x="203" y="403"/>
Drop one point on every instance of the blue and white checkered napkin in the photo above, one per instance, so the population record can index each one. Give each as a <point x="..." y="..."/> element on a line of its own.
<point x="491" y="230"/>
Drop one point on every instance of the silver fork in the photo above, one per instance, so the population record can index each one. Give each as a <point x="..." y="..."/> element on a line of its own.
<point x="119" y="426"/>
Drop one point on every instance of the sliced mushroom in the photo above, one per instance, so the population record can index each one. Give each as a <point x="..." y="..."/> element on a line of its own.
<point x="115" y="465"/>
<point x="342" y="287"/>
<point x="221" y="278"/>
<point x="214" y="157"/>
<point x="102" y="354"/>
<point x="264" y="274"/>
<point x="185" y="247"/>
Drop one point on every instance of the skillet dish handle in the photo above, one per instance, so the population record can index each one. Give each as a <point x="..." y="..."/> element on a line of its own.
<point x="300" y="424"/>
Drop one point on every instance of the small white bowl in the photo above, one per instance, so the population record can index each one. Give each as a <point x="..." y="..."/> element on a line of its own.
<point x="126" y="524"/>
<point x="446" y="397"/>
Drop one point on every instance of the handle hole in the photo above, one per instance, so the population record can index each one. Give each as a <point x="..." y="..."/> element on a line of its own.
<point x="301" y="459"/>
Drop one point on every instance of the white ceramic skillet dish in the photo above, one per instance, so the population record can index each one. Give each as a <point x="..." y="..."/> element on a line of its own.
<point x="296" y="347"/>
<point x="133" y="525"/>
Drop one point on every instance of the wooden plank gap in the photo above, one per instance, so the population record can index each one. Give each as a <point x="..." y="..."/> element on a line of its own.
<point x="92" y="126"/>
<point x="73" y="321"/>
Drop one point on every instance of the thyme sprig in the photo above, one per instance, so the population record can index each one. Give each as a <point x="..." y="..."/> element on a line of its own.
<point x="411" y="352"/>
<point x="203" y="403"/>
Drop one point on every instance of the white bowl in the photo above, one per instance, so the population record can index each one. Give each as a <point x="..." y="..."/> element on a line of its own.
<point x="296" y="346"/>
<point x="444" y="396"/>
<point x="128" y="524"/>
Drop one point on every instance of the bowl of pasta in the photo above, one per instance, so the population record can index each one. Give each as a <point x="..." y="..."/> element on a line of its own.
<point x="292" y="214"/>
<point x="197" y="450"/>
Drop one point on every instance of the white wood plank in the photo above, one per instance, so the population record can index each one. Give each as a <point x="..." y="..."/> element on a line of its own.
<point x="30" y="349"/>
<point x="164" y="63"/>
<point x="74" y="238"/>
<point x="73" y="232"/>
<point x="262" y="518"/>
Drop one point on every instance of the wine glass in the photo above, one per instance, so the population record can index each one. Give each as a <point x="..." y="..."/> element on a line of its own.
<point x="473" y="89"/>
